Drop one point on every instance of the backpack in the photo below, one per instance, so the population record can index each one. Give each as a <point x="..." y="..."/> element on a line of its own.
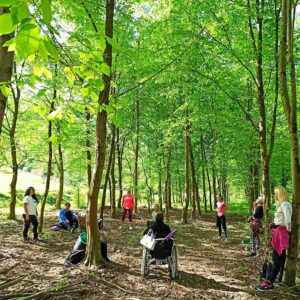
<point x="266" y="270"/>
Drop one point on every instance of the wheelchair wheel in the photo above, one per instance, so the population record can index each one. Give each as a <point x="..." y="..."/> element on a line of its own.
<point x="173" y="263"/>
<point x="144" y="262"/>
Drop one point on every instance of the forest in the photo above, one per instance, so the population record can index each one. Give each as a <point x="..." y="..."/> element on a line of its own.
<point x="176" y="102"/>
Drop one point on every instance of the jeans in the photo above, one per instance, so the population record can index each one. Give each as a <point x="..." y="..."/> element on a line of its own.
<point x="32" y="220"/>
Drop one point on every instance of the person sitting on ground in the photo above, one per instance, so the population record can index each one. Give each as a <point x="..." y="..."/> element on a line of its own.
<point x="256" y="225"/>
<point x="160" y="231"/>
<point x="67" y="219"/>
<point x="281" y="228"/>
<point x="78" y="253"/>
<point x="127" y="208"/>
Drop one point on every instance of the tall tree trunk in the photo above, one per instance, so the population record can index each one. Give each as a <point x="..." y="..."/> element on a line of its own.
<point x="112" y="150"/>
<point x="210" y="190"/>
<point x="61" y="177"/>
<point x="120" y="168"/>
<point x="13" y="150"/>
<point x="93" y="253"/>
<point x="168" y="180"/>
<point x="203" y="162"/>
<point x="187" y="171"/>
<point x="6" y="67"/>
<point x="160" y="186"/>
<point x="137" y="145"/>
<point x="290" y="109"/>
<point x="214" y="186"/>
<point x="88" y="146"/>
<point x="113" y="179"/>
<point x="49" y="168"/>
<point x="194" y="183"/>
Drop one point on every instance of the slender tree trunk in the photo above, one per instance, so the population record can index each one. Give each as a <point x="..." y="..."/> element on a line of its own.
<point x="194" y="183"/>
<point x="290" y="109"/>
<point x="61" y="177"/>
<point x="120" y="167"/>
<point x="13" y="150"/>
<point x="160" y="186"/>
<point x="88" y="146"/>
<point x="93" y="253"/>
<point x="113" y="179"/>
<point x="187" y="171"/>
<point x="168" y="180"/>
<point x="210" y="191"/>
<point x="49" y="168"/>
<point x="203" y="172"/>
<point x="6" y="67"/>
<point x="112" y="150"/>
<point x="214" y="186"/>
<point x="137" y="145"/>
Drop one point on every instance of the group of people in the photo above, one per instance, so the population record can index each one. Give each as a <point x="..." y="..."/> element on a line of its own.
<point x="280" y="228"/>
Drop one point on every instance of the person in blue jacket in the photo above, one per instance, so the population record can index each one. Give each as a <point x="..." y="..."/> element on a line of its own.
<point x="67" y="219"/>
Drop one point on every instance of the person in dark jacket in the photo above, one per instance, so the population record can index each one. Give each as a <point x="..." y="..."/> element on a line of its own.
<point x="160" y="230"/>
<point x="256" y="225"/>
<point x="67" y="219"/>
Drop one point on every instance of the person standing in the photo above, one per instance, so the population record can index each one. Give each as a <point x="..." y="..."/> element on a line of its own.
<point x="256" y="225"/>
<point x="221" y="219"/>
<point x="280" y="237"/>
<point x="127" y="208"/>
<point x="30" y="203"/>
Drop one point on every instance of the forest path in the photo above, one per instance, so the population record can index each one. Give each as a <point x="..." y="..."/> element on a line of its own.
<point x="208" y="268"/>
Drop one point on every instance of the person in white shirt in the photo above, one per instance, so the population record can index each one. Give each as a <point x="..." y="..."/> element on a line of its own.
<point x="30" y="203"/>
<point x="281" y="228"/>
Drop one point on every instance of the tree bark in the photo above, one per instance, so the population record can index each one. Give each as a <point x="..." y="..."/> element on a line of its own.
<point x="49" y="168"/>
<point x="120" y="168"/>
<point x="137" y="145"/>
<point x="203" y="162"/>
<point x="187" y="171"/>
<point x="13" y="150"/>
<point x="61" y="177"/>
<point x="194" y="184"/>
<point x="6" y="67"/>
<point x="290" y="109"/>
<point x="112" y="150"/>
<point x="88" y="146"/>
<point x="93" y="253"/>
<point x="210" y="190"/>
<point x="113" y="179"/>
<point x="160" y="186"/>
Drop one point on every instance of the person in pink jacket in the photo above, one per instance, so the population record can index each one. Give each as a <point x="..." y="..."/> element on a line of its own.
<point x="127" y="208"/>
<point x="221" y="219"/>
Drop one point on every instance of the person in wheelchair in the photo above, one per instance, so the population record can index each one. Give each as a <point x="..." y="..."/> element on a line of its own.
<point x="163" y="247"/>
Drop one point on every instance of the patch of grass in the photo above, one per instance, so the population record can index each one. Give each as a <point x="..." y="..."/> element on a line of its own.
<point x="134" y="239"/>
<point x="238" y="208"/>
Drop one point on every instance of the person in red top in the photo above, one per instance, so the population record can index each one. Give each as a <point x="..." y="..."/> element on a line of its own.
<point x="127" y="208"/>
<point x="221" y="219"/>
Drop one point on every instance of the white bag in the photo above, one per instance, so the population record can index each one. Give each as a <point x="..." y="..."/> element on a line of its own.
<point x="148" y="241"/>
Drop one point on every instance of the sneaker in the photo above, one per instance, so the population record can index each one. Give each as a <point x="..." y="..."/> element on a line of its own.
<point x="219" y="237"/>
<point x="130" y="228"/>
<point x="226" y="240"/>
<point x="264" y="285"/>
<point x="26" y="240"/>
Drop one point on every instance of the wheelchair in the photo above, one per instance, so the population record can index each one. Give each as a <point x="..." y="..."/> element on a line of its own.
<point x="161" y="256"/>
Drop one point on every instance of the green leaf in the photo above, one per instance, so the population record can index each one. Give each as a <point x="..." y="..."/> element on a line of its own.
<point x="53" y="139"/>
<point x="117" y="119"/>
<point x="46" y="11"/>
<point x="11" y="44"/>
<point x="56" y="114"/>
<point x="27" y="42"/>
<point x="43" y="51"/>
<point x="5" y="90"/>
<point x="8" y="3"/>
<point x="113" y="43"/>
<point x="51" y="48"/>
<point x="105" y="69"/>
<point x="23" y="12"/>
<point x="6" y="24"/>
<point x="69" y="74"/>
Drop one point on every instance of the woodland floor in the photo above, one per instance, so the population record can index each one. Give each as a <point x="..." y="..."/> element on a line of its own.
<point x="208" y="268"/>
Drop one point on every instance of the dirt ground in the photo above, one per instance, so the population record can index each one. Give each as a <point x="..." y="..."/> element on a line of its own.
<point x="208" y="268"/>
